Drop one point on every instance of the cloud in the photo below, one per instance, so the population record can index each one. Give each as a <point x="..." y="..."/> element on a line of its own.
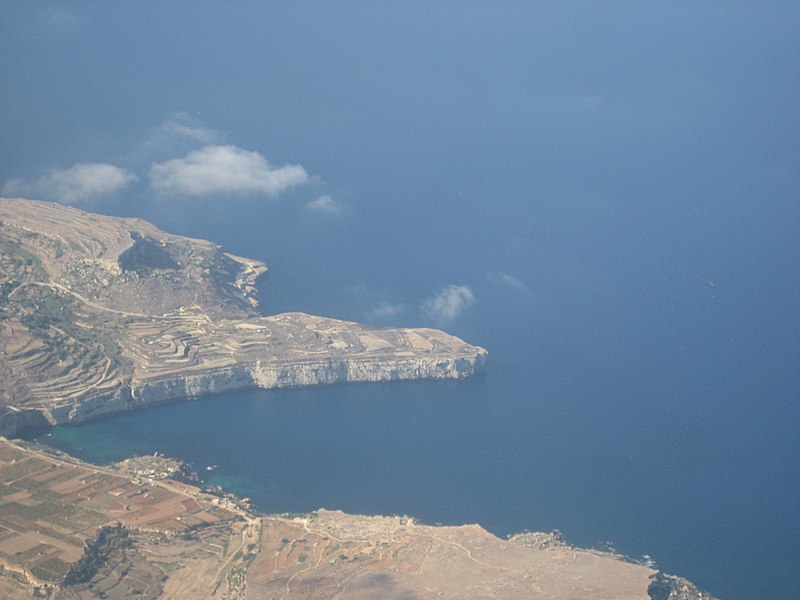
<point x="446" y="305"/>
<point x="325" y="204"/>
<point x="508" y="280"/>
<point x="83" y="181"/>
<point x="182" y="127"/>
<point x="224" y="169"/>
<point x="198" y="134"/>
<point x="385" y="310"/>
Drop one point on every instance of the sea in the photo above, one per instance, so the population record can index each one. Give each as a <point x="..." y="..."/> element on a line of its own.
<point x="604" y="196"/>
<point x="640" y="394"/>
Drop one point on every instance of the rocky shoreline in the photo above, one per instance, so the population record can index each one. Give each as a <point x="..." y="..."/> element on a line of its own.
<point x="261" y="375"/>
<point x="157" y="534"/>
<point x="102" y="315"/>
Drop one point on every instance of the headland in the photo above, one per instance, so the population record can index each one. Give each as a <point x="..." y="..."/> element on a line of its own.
<point x="102" y="314"/>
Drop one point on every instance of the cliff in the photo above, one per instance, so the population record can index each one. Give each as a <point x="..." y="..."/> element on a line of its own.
<point x="103" y="314"/>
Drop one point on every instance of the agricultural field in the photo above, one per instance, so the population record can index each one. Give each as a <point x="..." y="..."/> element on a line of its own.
<point x="69" y="530"/>
<point x="98" y="314"/>
<point x="53" y="509"/>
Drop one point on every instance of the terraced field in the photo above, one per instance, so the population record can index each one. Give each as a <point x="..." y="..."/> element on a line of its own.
<point x="52" y="508"/>
<point x="110" y="313"/>
<point x="100" y="314"/>
<point x="69" y="530"/>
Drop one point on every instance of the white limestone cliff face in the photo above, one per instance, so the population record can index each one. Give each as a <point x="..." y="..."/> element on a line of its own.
<point x="271" y="375"/>
<point x="258" y="374"/>
<point x="114" y="314"/>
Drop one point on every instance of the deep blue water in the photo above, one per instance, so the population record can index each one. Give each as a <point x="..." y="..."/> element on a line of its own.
<point x="616" y="183"/>
<point x="672" y="436"/>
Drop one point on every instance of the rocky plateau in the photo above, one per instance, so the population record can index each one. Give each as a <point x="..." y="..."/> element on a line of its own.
<point x="101" y="314"/>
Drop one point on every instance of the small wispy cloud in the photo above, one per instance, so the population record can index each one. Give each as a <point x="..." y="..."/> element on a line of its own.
<point x="181" y="126"/>
<point x="326" y="205"/>
<point x="508" y="280"/>
<point x="448" y="304"/>
<point x="385" y="310"/>
<point x="79" y="183"/>
<point x="224" y="169"/>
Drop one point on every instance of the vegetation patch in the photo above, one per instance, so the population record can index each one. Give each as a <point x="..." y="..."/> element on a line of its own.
<point x="109" y="541"/>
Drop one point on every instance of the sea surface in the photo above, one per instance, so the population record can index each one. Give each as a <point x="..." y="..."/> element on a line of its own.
<point x="615" y="184"/>
<point x="655" y="422"/>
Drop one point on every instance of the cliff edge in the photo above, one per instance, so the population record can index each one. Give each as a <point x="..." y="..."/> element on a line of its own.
<point x="101" y="314"/>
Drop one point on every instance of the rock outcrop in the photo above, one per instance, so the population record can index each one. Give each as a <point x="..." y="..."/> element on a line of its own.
<point x="102" y="314"/>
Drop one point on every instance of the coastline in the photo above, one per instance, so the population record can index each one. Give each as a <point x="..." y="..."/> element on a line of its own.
<point x="261" y="375"/>
<point x="106" y="314"/>
<point x="147" y="511"/>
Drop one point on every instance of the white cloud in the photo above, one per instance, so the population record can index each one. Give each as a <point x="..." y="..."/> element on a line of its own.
<point x="182" y="126"/>
<point x="83" y="181"/>
<point x="509" y="280"/>
<point x="446" y="305"/>
<point x="224" y="169"/>
<point x="325" y="204"/>
<point x="198" y="134"/>
<point x="385" y="310"/>
<point x="179" y="134"/>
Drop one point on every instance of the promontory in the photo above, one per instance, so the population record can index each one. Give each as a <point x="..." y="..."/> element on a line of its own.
<point x="101" y="314"/>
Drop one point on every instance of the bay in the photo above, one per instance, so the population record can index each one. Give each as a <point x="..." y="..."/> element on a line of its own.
<point x="616" y="185"/>
<point x="548" y="437"/>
